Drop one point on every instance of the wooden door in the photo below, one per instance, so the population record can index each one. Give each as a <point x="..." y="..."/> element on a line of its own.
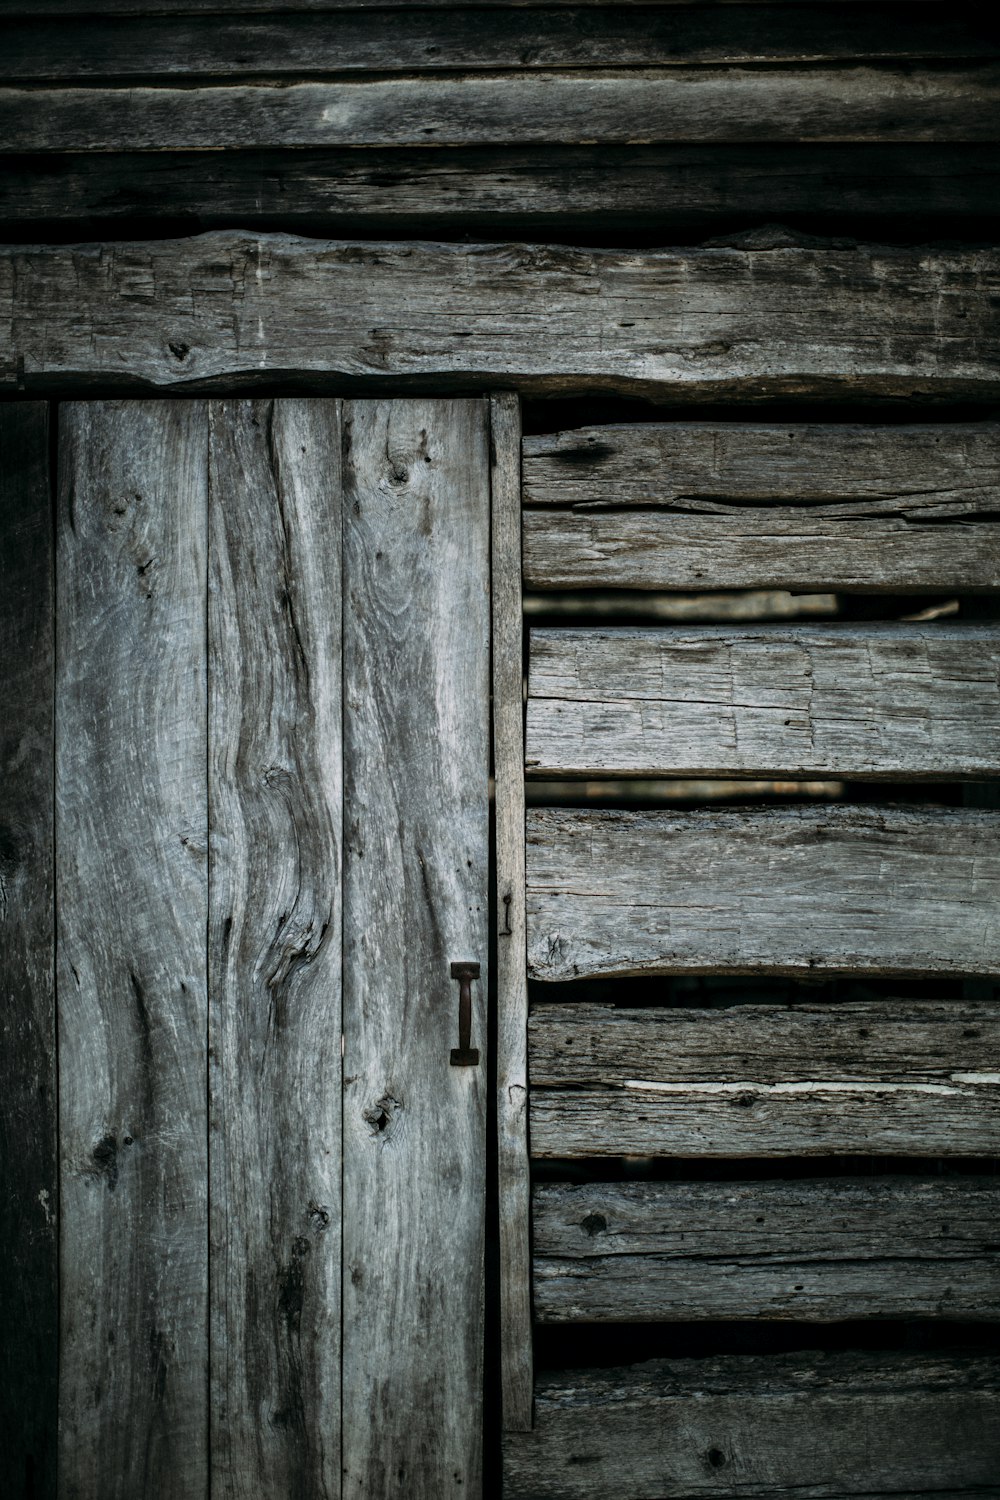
<point x="271" y="835"/>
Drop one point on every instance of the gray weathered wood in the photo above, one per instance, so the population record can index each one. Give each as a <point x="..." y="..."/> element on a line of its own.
<point x="518" y="193"/>
<point x="739" y="323"/>
<point x="416" y="735"/>
<point x="760" y="547"/>
<point x="131" y="832"/>
<point x="883" y="1247"/>
<point x="637" y="106"/>
<point x="835" y="889"/>
<point x="888" y="700"/>
<point x="933" y="470"/>
<point x="422" y="40"/>
<point x="843" y="1424"/>
<point x="512" y="983"/>
<point x="897" y="1078"/>
<point x="29" y="1309"/>
<point x="275" y="788"/>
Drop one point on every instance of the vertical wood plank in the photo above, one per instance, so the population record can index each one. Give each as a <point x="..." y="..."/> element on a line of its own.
<point x="512" y="980"/>
<point x="131" y="833"/>
<point x="416" y="849"/>
<point x="275" y="946"/>
<point x="28" y="1203"/>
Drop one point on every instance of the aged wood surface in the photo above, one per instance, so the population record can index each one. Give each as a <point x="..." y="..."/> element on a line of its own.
<point x="836" y="889"/>
<point x="131" y="833"/>
<point x="29" y="1310"/>
<point x="421" y="40"/>
<point x="512" y="985"/>
<point x="880" y="549"/>
<point x="416" y="727"/>
<point x="726" y="323"/>
<point x="931" y="469"/>
<point x="888" y="700"/>
<point x="855" y="1424"/>
<point x="899" y="1078"/>
<point x="19" y="8"/>
<point x="275" y="788"/>
<point x="883" y="1247"/>
<point x="519" y="192"/>
<point x="613" y="107"/>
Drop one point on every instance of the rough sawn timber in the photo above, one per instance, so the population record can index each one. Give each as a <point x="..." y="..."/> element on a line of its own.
<point x="275" y="789"/>
<point x="856" y="1424"/>
<point x="416" y="862"/>
<point x="934" y="469"/>
<point x="701" y="324"/>
<point x="833" y="1248"/>
<point x="425" y="40"/>
<point x="884" y="890"/>
<point x="886" y="700"/>
<point x="893" y="1078"/>
<point x="29" y="1287"/>
<point x="132" y="902"/>
<point x="512" y="983"/>
<point x="501" y="191"/>
<point x="868" y="103"/>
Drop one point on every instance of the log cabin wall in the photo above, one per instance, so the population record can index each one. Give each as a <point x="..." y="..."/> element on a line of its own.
<point x="727" y="272"/>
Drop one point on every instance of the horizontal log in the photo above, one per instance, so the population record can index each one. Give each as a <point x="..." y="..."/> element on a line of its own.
<point x="894" y="1041"/>
<point x="719" y="323"/>
<point x="886" y="700"/>
<point x="834" y="1248"/>
<point x="524" y="192"/>
<point x="640" y="106"/>
<point x="873" y="548"/>
<point x="841" y="1425"/>
<point x="892" y="1078"/>
<point x="930" y="470"/>
<point x="424" y="40"/>
<point x="23" y="8"/>
<point x="805" y="889"/>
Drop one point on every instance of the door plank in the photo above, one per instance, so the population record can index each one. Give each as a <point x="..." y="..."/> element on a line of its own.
<point x="131" y="831"/>
<point x="855" y="1424"/>
<point x="29" y="1311"/>
<point x="840" y="103"/>
<point x="832" y="1248"/>
<point x="512" y="979"/>
<point x="275" y="787"/>
<point x="416" y="681"/>
<point x="839" y="889"/>
<point x="887" y="700"/>
<point x="678" y="324"/>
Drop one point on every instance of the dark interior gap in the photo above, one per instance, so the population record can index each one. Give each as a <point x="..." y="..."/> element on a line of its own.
<point x="619" y="1169"/>
<point x="719" y="991"/>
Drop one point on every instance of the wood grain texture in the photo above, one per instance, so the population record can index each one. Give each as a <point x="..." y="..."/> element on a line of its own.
<point x="856" y="1424"/>
<point x="275" y="946"/>
<point x="888" y="700"/>
<point x="29" y="1288"/>
<point x="131" y="833"/>
<point x="931" y="469"/>
<point x="724" y="323"/>
<point x="896" y="1078"/>
<point x="882" y="1247"/>
<point x="518" y="193"/>
<point x="613" y="107"/>
<point x="422" y="40"/>
<point x="759" y="547"/>
<point x="839" y="889"/>
<point x="416" y="682"/>
<point x="512" y="984"/>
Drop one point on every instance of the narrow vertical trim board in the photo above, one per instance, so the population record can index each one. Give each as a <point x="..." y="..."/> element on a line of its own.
<point x="512" y="981"/>
<point x="416" y="867"/>
<point x="29" y="1311"/>
<point x="131" y="831"/>
<point x="275" y="789"/>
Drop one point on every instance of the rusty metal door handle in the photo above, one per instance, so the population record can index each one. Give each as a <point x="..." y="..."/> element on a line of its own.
<point x="464" y="1056"/>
